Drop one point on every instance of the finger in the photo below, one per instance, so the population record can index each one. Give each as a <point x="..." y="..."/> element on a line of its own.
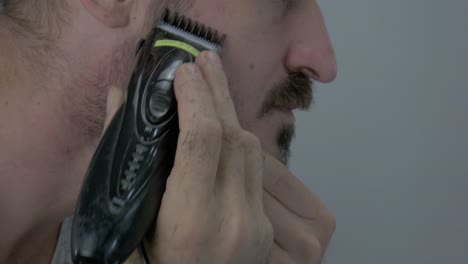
<point x="231" y="177"/>
<point x="279" y="256"/>
<point x="199" y="143"/>
<point x="231" y="171"/>
<point x="289" y="191"/>
<point x="254" y="160"/>
<point x="114" y="102"/>
<point x="291" y="233"/>
<point x="212" y="69"/>
<point x="287" y="188"/>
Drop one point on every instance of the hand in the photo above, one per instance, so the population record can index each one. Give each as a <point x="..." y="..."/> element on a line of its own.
<point x="302" y="225"/>
<point x="212" y="210"/>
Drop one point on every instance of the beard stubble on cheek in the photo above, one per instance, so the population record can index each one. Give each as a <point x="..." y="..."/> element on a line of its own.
<point x="86" y="102"/>
<point x="86" y="99"/>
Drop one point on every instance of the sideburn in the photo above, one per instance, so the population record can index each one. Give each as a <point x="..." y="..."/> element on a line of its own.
<point x="86" y="99"/>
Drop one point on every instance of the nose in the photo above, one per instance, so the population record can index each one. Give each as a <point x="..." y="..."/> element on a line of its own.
<point x="310" y="50"/>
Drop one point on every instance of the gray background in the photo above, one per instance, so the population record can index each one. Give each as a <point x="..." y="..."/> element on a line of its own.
<point x="386" y="145"/>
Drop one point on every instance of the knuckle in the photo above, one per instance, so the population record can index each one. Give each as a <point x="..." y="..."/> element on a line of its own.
<point x="244" y="229"/>
<point x="244" y="233"/>
<point x="329" y="222"/>
<point x="200" y="131"/>
<point x="250" y="142"/>
<point x="209" y="128"/>
<point x="267" y="231"/>
<point x="263" y="232"/>
<point x="310" y="249"/>
<point x="185" y="80"/>
<point x="203" y="59"/>
<point x="241" y="140"/>
<point x="232" y="131"/>
<point x="186" y="237"/>
<point x="238" y="232"/>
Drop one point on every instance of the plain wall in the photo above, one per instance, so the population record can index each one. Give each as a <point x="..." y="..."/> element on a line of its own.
<point x="386" y="145"/>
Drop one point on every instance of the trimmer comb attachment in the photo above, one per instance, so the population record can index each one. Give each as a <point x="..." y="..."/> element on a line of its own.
<point x="193" y="30"/>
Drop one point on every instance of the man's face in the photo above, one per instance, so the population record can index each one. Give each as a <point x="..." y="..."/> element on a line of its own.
<point x="268" y="41"/>
<point x="272" y="51"/>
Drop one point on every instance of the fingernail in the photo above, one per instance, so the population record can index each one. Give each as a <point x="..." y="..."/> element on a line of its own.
<point x="194" y="71"/>
<point x="214" y="58"/>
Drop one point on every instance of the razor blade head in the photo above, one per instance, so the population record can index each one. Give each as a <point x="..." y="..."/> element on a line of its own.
<point x="192" y="30"/>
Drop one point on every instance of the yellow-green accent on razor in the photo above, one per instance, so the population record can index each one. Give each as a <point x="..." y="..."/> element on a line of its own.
<point x="177" y="44"/>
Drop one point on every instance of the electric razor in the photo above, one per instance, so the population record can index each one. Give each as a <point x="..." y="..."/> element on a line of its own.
<point x="122" y="192"/>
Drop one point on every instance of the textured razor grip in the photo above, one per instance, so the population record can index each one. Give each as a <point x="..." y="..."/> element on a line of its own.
<point x="160" y="102"/>
<point x="126" y="180"/>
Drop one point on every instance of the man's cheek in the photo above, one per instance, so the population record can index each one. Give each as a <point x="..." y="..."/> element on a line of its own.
<point x="246" y="110"/>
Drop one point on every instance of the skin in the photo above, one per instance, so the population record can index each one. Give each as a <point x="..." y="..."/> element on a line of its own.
<point x="281" y="39"/>
<point x="53" y="93"/>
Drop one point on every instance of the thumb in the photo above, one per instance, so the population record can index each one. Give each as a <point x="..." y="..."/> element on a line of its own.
<point x="115" y="99"/>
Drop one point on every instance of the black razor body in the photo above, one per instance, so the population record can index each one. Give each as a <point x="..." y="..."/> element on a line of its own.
<point x="125" y="183"/>
<point x="126" y="180"/>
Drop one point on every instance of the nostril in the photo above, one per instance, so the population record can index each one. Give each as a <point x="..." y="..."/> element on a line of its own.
<point x="311" y="74"/>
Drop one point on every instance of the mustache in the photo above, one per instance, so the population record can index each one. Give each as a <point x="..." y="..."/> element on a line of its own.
<point x="295" y="91"/>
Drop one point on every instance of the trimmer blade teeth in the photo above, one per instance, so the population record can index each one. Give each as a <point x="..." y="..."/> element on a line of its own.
<point x="214" y="36"/>
<point x="188" y="22"/>
<point x="192" y="27"/>
<point x="180" y="20"/>
<point x="200" y="31"/>
<point x="165" y="16"/>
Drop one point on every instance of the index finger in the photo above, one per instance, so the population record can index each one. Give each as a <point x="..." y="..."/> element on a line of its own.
<point x="279" y="181"/>
<point x="199" y="143"/>
<point x="212" y="69"/>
